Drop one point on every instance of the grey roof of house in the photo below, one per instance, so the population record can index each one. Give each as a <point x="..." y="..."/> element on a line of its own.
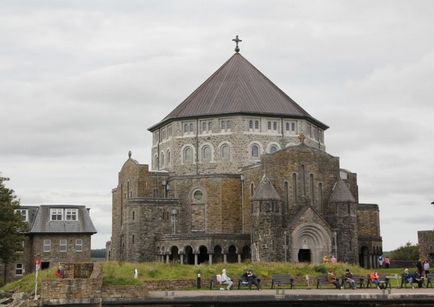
<point x="265" y="190"/>
<point x="341" y="193"/>
<point x="238" y="87"/>
<point x="42" y="223"/>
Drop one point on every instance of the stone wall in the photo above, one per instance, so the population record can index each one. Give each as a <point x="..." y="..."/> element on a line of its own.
<point x="426" y="244"/>
<point x="72" y="290"/>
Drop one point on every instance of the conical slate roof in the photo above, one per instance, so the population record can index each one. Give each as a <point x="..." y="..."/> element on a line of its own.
<point x="265" y="190"/>
<point x="341" y="193"/>
<point x="238" y="87"/>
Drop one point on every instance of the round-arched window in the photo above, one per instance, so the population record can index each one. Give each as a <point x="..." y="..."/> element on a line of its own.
<point x="273" y="148"/>
<point x="225" y="152"/>
<point x="254" y="151"/>
<point x="206" y="153"/>
<point x="197" y="195"/>
<point x="188" y="154"/>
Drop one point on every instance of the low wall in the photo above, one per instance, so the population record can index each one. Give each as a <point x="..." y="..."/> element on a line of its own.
<point x="72" y="290"/>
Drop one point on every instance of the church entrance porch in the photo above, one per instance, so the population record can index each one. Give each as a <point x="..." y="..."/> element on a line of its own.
<point x="304" y="255"/>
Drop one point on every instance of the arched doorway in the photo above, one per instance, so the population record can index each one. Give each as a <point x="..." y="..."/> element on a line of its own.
<point x="310" y="242"/>
<point x="304" y="255"/>
<point x="246" y="253"/>
<point x="203" y="255"/>
<point x="188" y="255"/>
<point x="232" y="254"/>
<point x="218" y="255"/>
<point x="174" y="254"/>
<point x="364" y="257"/>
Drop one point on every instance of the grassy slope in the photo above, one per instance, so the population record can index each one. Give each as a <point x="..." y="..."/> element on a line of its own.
<point x="121" y="273"/>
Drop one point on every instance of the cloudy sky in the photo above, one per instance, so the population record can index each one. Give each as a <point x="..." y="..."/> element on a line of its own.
<point x="81" y="81"/>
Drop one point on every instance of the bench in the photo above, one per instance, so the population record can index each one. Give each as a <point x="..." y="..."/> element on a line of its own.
<point x="281" y="279"/>
<point x="243" y="282"/>
<point x="418" y="281"/>
<point x="383" y="282"/>
<point x="321" y="280"/>
<point x="429" y="279"/>
<point x="215" y="281"/>
<point x="359" y="280"/>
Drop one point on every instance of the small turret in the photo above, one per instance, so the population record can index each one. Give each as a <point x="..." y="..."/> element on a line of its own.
<point x="266" y="209"/>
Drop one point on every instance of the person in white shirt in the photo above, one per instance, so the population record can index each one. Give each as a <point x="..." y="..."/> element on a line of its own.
<point x="226" y="280"/>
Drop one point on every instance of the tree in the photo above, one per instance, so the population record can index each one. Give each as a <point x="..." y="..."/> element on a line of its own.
<point x="11" y="226"/>
<point x="406" y="252"/>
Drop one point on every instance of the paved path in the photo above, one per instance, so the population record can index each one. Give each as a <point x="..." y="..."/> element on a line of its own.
<point x="282" y="297"/>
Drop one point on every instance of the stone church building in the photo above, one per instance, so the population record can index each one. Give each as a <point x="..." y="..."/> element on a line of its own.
<point x="240" y="172"/>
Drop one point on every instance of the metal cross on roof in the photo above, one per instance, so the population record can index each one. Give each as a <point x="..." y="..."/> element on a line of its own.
<point x="237" y="40"/>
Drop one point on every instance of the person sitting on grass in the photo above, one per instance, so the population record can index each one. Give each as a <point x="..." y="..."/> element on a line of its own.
<point x="331" y="278"/>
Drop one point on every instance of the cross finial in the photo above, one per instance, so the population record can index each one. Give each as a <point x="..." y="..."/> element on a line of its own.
<point x="301" y="137"/>
<point x="237" y="40"/>
<point x="129" y="154"/>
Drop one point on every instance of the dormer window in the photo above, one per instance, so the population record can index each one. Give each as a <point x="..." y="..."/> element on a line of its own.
<point x="24" y="214"/>
<point x="56" y="214"/>
<point x="59" y="214"/>
<point x="71" y="214"/>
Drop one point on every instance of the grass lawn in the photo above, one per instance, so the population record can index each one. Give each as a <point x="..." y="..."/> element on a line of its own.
<point x="121" y="273"/>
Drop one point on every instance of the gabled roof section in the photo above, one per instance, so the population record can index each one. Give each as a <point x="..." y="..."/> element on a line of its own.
<point x="341" y="193"/>
<point x="43" y="224"/>
<point x="238" y="87"/>
<point x="265" y="190"/>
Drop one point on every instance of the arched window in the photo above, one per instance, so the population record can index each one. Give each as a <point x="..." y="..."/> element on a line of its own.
<point x="252" y="189"/>
<point x="254" y="151"/>
<point x="294" y="186"/>
<point x="225" y="152"/>
<point x="312" y="190"/>
<point x="188" y="154"/>
<point x="168" y="157"/>
<point x="162" y="159"/>
<point x="206" y="153"/>
<point x="134" y="215"/>
<point x="273" y="148"/>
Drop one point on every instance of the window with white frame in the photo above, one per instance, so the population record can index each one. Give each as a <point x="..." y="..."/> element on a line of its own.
<point x="24" y="214"/>
<point x="71" y="214"/>
<point x="63" y="245"/>
<point x="56" y="214"/>
<point x="19" y="269"/>
<point x="78" y="245"/>
<point x="46" y="246"/>
<point x="290" y="127"/>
